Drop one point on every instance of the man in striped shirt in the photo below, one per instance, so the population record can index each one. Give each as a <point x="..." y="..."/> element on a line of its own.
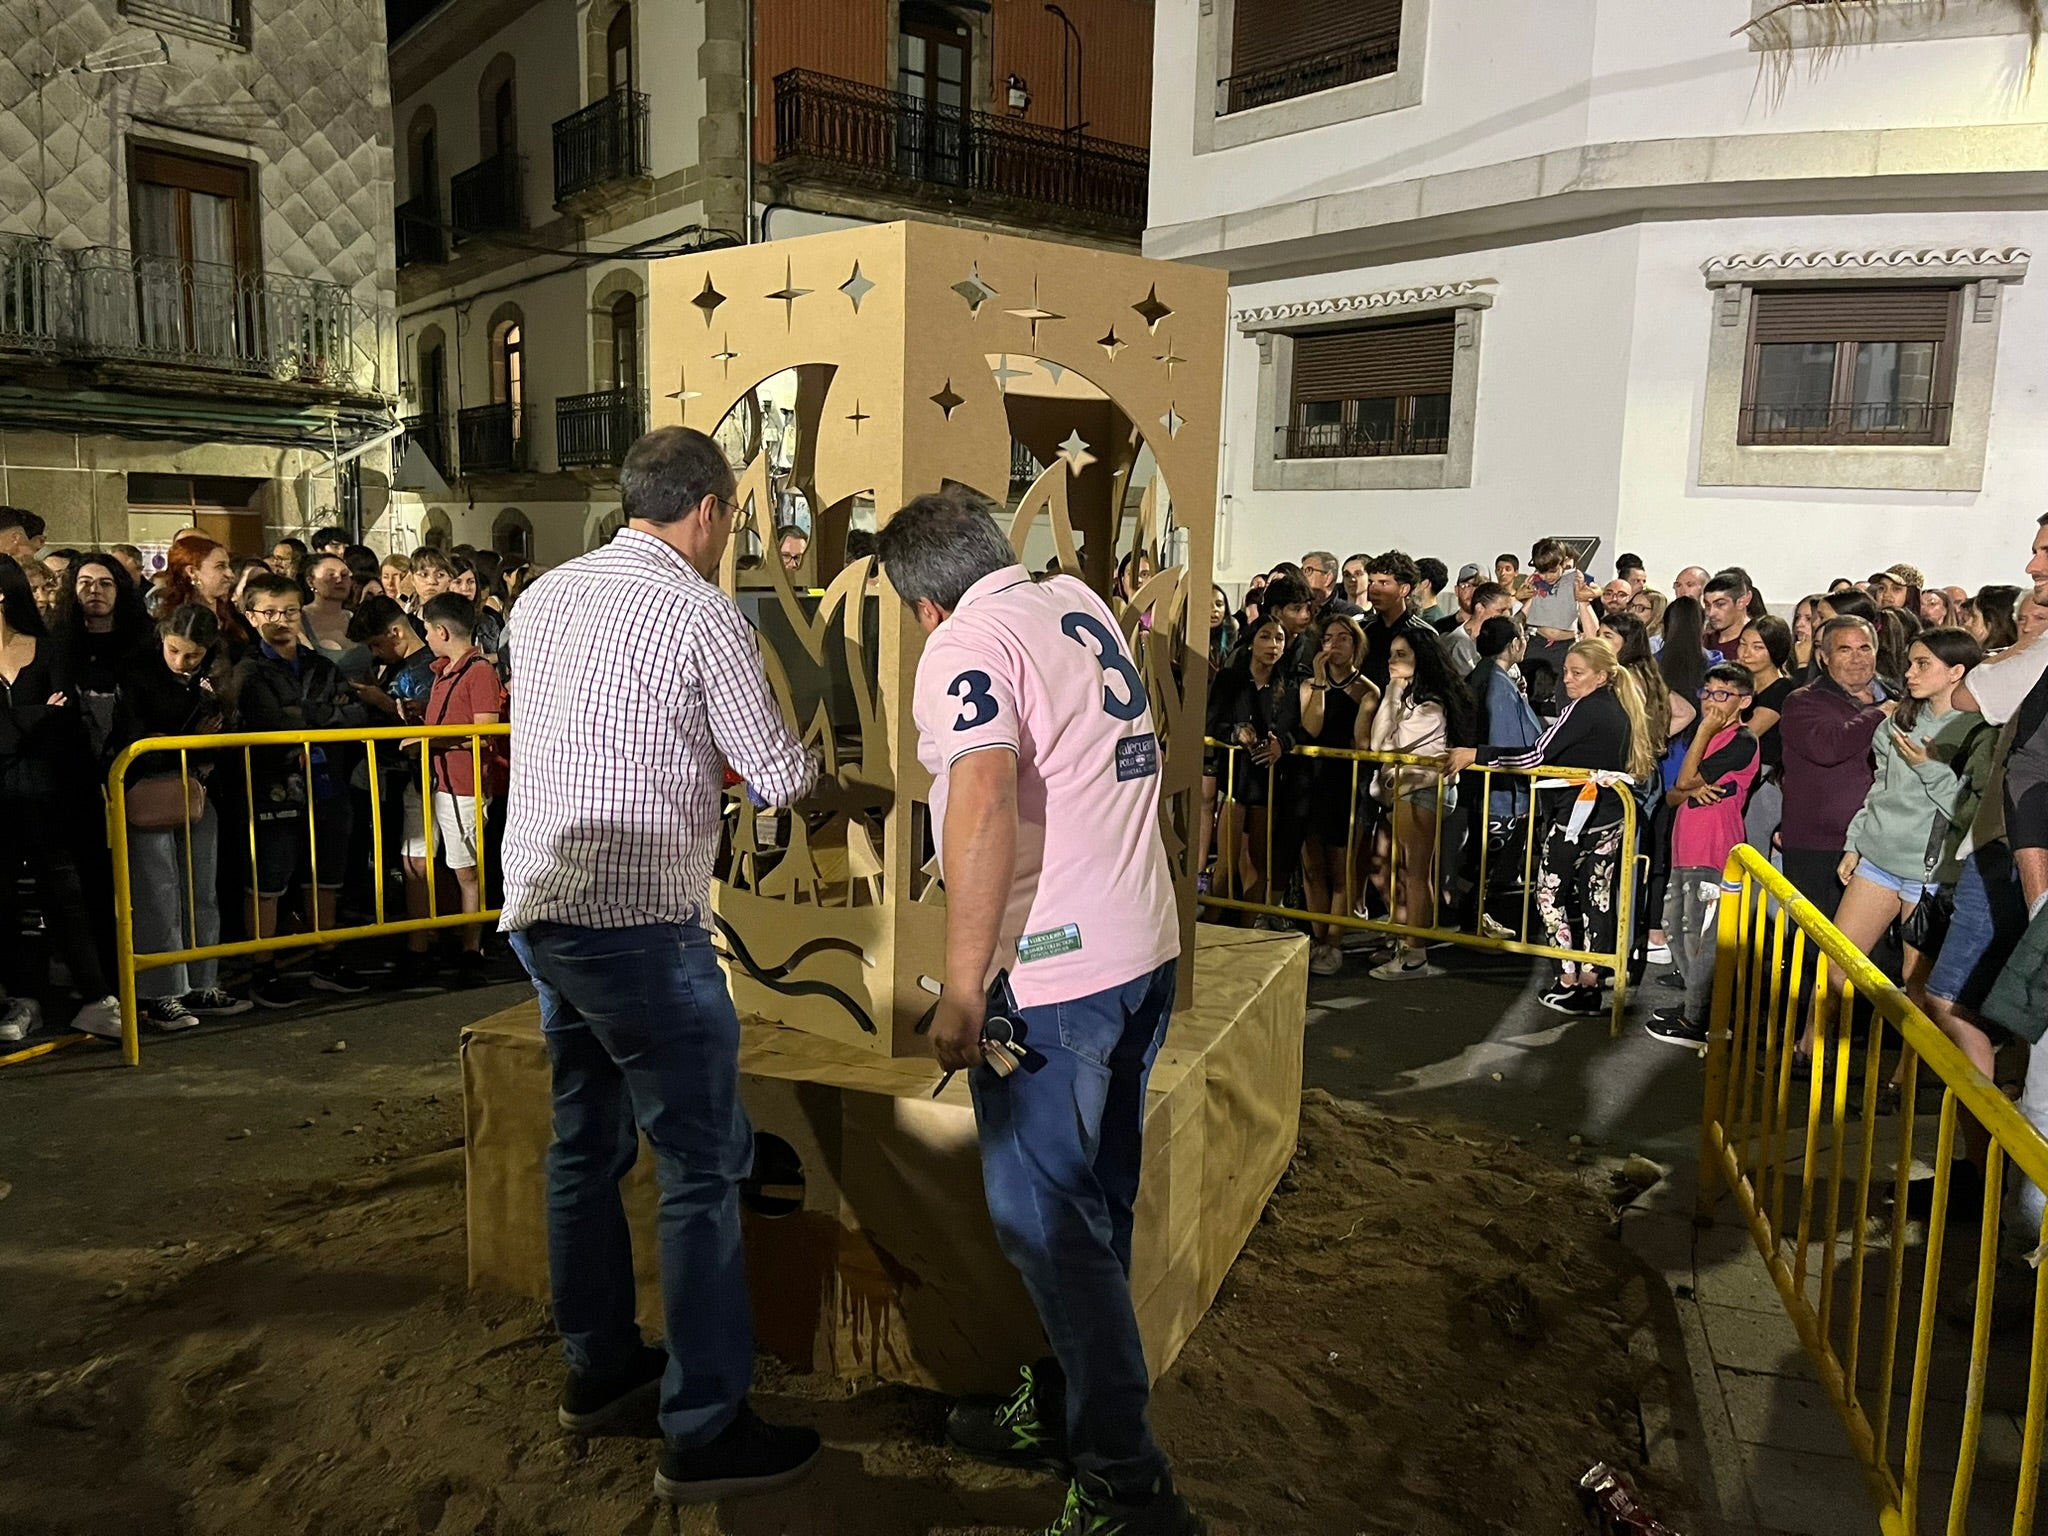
<point x="639" y="682"/>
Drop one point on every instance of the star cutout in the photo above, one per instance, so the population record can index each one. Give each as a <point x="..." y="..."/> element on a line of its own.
<point x="858" y="417"/>
<point x="947" y="401"/>
<point x="726" y="357"/>
<point x="1171" y="359"/>
<point x="857" y="287"/>
<point x="1112" y="343"/>
<point x="788" y="293"/>
<point x="1036" y="315"/>
<point x="682" y="391"/>
<point x="1173" y="421"/>
<point x="1054" y="371"/>
<point x="974" y="290"/>
<point x="708" y="301"/>
<point x="1076" y="453"/>
<point x="1151" y="311"/>
<point x="1003" y="373"/>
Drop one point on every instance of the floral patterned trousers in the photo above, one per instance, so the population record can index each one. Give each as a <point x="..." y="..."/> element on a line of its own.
<point x="1575" y="887"/>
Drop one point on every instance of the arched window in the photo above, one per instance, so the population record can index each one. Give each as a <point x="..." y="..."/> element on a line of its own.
<point x="625" y="317"/>
<point x="497" y="108"/>
<point x="618" y="51"/>
<point x="508" y="367"/>
<point x="423" y="157"/>
<point x="512" y="534"/>
<point x="434" y="529"/>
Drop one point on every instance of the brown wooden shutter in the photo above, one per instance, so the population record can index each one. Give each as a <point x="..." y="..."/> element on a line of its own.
<point x="1365" y="364"/>
<point x="1267" y="33"/>
<point x="1852" y="314"/>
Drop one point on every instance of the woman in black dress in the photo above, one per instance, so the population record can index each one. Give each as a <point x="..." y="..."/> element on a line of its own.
<point x="1336" y="704"/>
<point x="1256" y="709"/>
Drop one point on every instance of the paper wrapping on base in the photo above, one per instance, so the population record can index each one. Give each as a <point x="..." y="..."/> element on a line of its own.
<point x="874" y="1254"/>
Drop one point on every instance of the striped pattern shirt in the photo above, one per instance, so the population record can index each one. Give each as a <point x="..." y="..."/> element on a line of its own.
<point x="639" y="681"/>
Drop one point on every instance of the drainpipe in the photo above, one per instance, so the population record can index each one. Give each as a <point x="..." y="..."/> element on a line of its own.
<point x="747" y="129"/>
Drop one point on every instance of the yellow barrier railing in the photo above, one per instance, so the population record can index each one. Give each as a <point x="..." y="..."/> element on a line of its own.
<point x="226" y="748"/>
<point x="1421" y="780"/>
<point x="1789" y="1152"/>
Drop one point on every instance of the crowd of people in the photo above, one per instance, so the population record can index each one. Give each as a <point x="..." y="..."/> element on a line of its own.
<point x="98" y="653"/>
<point x="1884" y="746"/>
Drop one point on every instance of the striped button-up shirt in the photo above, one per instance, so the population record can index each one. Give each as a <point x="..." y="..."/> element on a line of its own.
<point x="638" y="683"/>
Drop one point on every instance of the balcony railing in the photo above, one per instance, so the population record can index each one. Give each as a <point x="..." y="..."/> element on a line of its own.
<point x="1304" y="77"/>
<point x="485" y="198"/>
<point x="420" y="235"/>
<point x="430" y="430"/>
<point x="603" y="144"/>
<point x="1336" y="441"/>
<point x="1880" y="423"/>
<point x="487" y="437"/>
<point x="595" y="430"/>
<point x="35" y="290"/>
<point x="867" y="134"/>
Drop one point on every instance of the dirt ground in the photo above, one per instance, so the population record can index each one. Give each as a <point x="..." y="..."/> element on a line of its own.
<point x="1429" y="1333"/>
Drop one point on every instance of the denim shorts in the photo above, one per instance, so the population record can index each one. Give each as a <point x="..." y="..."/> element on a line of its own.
<point x="1878" y="875"/>
<point x="1990" y="915"/>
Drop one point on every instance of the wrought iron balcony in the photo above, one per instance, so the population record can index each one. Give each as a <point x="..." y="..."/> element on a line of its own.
<point x="863" y="134"/>
<point x="35" y="292"/>
<point x="488" y="439"/>
<point x="430" y="430"/>
<point x="420" y="235"/>
<point x="1334" y="440"/>
<point x="595" y="430"/>
<point x="485" y="198"/>
<point x="1304" y="77"/>
<point x="602" y="145"/>
<point x="1874" y="423"/>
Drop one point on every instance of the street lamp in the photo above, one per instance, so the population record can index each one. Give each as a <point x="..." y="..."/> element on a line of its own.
<point x="1075" y="120"/>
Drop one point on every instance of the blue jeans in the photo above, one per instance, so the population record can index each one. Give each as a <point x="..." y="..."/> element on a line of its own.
<point x="643" y="1037"/>
<point x="1059" y="1159"/>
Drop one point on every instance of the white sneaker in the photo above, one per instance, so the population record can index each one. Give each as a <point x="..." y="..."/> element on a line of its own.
<point x="1326" y="960"/>
<point x="18" y="1017"/>
<point x="1410" y="965"/>
<point x="101" y="1017"/>
<point x="1658" y="954"/>
<point x="168" y="1015"/>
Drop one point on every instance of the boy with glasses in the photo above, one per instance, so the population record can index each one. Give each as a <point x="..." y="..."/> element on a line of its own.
<point x="1713" y="787"/>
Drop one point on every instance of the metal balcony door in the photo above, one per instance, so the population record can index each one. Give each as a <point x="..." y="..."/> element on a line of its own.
<point x="931" y="75"/>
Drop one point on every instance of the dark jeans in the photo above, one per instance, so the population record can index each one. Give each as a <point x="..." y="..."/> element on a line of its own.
<point x="41" y="843"/>
<point x="643" y="1037"/>
<point x="1060" y="1153"/>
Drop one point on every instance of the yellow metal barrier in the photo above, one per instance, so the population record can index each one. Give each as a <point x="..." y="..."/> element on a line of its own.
<point x="244" y="746"/>
<point x="1426" y="777"/>
<point x="1789" y="1151"/>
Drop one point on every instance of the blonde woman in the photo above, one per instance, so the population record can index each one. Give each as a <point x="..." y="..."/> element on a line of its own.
<point x="1603" y="726"/>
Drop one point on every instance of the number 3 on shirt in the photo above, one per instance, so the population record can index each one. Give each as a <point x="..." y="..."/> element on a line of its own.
<point x="1109" y="653"/>
<point x="977" y="703"/>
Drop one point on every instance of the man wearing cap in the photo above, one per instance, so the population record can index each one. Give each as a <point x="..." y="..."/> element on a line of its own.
<point x="1461" y="593"/>
<point x="1035" y="726"/>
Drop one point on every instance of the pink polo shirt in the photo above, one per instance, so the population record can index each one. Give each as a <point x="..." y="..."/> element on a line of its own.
<point x="1041" y="669"/>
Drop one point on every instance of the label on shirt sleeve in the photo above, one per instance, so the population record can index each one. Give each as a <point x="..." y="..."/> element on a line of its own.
<point x="1137" y="757"/>
<point x="1049" y="942"/>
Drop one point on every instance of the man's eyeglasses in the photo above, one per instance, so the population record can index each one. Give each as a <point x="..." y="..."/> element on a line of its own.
<point x="279" y="615"/>
<point x="1720" y="695"/>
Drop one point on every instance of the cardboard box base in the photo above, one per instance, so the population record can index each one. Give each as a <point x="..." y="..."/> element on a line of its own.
<point x="869" y="1248"/>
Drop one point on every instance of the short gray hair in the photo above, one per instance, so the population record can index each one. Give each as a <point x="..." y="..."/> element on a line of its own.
<point x="1328" y="559"/>
<point x="668" y="473"/>
<point x="940" y="545"/>
<point x="1841" y="623"/>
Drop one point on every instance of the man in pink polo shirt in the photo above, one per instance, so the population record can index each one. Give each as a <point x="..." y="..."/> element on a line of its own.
<point x="1034" y="724"/>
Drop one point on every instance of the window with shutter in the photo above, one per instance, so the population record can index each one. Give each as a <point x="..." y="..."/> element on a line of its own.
<point x="1281" y="49"/>
<point x="1849" y="365"/>
<point x="1373" y="390"/>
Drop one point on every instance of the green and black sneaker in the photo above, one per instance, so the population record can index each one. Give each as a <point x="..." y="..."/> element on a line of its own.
<point x="1093" y="1509"/>
<point x="1026" y="1429"/>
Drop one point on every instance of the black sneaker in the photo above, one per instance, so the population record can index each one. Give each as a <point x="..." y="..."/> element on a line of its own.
<point x="270" y="989"/>
<point x="1026" y="1429"/>
<point x="1584" y="1002"/>
<point x="1673" y="980"/>
<point x="1673" y="1028"/>
<point x="468" y="971"/>
<point x="415" y="972"/>
<point x="749" y="1457"/>
<point x="337" y="976"/>
<point x="216" y="1003"/>
<point x="591" y="1403"/>
<point x="1093" y="1509"/>
<point x="168" y="1015"/>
